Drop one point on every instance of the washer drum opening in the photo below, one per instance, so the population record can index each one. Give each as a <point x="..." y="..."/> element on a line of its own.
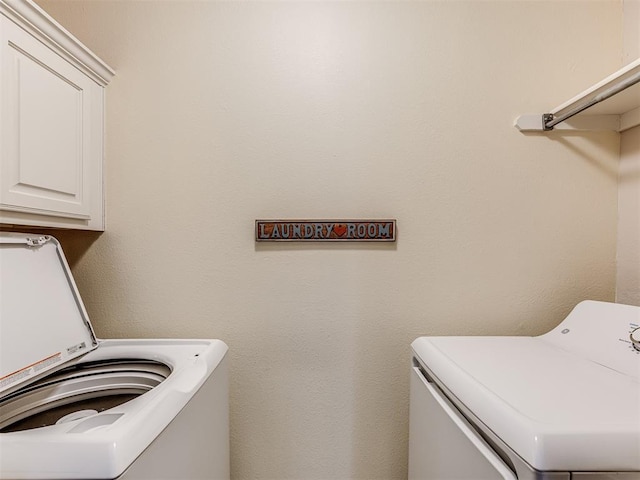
<point x="79" y="391"/>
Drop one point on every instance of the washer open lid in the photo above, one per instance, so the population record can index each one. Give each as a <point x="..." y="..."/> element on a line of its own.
<point x="43" y="322"/>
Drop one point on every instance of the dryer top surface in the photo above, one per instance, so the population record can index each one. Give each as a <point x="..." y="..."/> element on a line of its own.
<point x="567" y="400"/>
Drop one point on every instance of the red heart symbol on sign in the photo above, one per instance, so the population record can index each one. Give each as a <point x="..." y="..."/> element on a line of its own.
<point x="340" y="229"/>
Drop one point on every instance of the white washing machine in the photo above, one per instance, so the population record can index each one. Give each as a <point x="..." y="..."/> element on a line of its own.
<point x="563" y="405"/>
<point x="75" y="407"/>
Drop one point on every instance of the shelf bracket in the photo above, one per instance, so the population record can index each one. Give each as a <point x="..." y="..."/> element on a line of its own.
<point x="546" y="119"/>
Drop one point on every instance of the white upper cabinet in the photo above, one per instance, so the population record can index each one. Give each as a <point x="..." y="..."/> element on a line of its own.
<point x="51" y="123"/>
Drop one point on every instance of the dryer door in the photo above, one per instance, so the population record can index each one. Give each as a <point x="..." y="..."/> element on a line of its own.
<point x="442" y="443"/>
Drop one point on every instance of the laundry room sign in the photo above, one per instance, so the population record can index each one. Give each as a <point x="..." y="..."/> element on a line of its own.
<point x="325" y="230"/>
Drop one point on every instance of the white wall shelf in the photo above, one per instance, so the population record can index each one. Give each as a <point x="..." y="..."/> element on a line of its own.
<point x="619" y="112"/>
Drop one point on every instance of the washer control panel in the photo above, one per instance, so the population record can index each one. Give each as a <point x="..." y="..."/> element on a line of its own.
<point x="605" y="333"/>
<point x="634" y="336"/>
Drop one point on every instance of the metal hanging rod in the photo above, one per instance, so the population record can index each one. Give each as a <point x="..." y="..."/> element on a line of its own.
<point x="549" y="120"/>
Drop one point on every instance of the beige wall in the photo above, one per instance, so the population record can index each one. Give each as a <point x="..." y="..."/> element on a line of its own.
<point x="631" y="30"/>
<point x="224" y="112"/>
<point x="628" y="271"/>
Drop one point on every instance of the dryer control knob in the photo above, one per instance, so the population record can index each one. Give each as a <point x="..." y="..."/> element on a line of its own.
<point x="635" y="338"/>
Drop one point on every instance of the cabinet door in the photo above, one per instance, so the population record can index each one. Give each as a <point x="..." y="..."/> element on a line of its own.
<point x="51" y="130"/>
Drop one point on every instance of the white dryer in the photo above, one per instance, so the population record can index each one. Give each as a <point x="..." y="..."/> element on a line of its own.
<point x="563" y="405"/>
<point x="75" y="407"/>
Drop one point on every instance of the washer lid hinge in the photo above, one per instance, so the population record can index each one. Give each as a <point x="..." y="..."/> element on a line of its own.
<point x="37" y="241"/>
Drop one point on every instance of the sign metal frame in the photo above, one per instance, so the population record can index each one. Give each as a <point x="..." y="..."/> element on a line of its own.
<point x="383" y="230"/>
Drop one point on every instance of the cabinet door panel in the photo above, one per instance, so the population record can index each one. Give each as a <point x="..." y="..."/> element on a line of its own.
<point x="50" y="109"/>
<point x="46" y="166"/>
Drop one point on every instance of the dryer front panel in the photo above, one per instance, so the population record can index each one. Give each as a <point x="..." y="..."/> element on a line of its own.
<point x="442" y="443"/>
